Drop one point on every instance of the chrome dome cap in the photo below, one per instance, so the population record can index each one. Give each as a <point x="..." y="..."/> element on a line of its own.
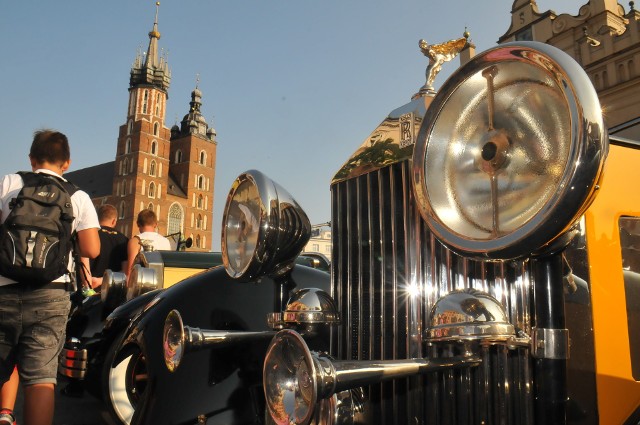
<point x="311" y="305"/>
<point x="469" y="314"/>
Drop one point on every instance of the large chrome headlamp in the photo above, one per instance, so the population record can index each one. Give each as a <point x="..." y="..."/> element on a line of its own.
<point x="510" y="152"/>
<point x="263" y="228"/>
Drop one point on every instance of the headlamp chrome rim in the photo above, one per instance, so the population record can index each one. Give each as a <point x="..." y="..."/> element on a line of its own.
<point x="508" y="236"/>
<point x="290" y="379"/>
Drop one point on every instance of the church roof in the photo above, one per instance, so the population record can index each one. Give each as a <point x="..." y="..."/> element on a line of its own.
<point x="96" y="180"/>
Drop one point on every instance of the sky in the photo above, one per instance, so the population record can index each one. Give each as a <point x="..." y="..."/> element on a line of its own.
<point x="292" y="87"/>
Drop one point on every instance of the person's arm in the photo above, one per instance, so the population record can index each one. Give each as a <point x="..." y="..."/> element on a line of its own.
<point x="89" y="243"/>
<point x="133" y="248"/>
<point x="85" y="273"/>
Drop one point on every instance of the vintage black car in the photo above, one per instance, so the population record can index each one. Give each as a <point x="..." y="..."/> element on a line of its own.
<point x="216" y="376"/>
<point x="96" y="326"/>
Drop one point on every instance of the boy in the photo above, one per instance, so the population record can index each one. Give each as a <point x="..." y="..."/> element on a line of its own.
<point x="33" y="329"/>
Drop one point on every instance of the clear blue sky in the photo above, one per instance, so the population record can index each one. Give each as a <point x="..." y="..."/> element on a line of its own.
<point x="292" y="87"/>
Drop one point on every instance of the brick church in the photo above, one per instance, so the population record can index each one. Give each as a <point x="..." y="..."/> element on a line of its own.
<point x="170" y="171"/>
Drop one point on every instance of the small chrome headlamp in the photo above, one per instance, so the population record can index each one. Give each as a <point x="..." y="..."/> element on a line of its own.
<point x="141" y="281"/>
<point x="289" y="379"/>
<point x="173" y="338"/>
<point x="263" y="228"/>
<point x="113" y="290"/>
<point x="468" y="314"/>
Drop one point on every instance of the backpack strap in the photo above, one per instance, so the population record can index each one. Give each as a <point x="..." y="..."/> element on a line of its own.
<point x="31" y="178"/>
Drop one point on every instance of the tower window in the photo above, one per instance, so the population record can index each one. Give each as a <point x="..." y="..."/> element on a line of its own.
<point x="199" y="201"/>
<point x="145" y="101"/>
<point x="158" y="103"/>
<point x="203" y="157"/>
<point x="153" y="147"/>
<point x="121" y="209"/>
<point x="129" y="127"/>
<point x="127" y="146"/>
<point x="200" y="182"/>
<point x="152" y="190"/>
<point x="198" y="241"/>
<point x="199" y="222"/>
<point x="156" y="126"/>
<point x="178" y="157"/>
<point x="152" y="168"/>
<point x="125" y="167"/>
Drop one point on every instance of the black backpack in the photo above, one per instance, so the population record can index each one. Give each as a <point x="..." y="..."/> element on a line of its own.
<point x="36" y="237"/>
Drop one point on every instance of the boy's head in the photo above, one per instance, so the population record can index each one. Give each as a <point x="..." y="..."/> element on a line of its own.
<point x="107" y="215"/>
<point x="50" y="147"/>
<point x="146" y="218"/>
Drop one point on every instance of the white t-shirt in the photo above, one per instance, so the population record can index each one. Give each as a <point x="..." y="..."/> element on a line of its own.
<point x="85" y="216"/>
<point x="155" y="240"/>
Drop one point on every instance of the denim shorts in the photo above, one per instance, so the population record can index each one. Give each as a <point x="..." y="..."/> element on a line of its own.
<point x="32" y="331"/>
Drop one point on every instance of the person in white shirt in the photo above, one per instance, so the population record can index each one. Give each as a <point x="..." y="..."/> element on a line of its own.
<point x="147" y="240"/>
<point x="29" y="339"/>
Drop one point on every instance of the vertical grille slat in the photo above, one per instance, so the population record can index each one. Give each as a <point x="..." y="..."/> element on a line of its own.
<point x="381" y="245"/>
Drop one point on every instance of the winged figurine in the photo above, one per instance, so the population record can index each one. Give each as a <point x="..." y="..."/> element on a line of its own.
<point x="439" y="54"/>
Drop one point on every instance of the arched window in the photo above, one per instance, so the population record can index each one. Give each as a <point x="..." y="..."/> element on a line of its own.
<point x="622" y="73"/>
<point x="129" y="126"/>
<point x="200" y="182"/>
<point x="199" y="222"/>
<point x="158" y="103"/>
<point x="132" y="103"/>
<point x="156" y="126"/>
<point x="145" y="101"/>
<point x="174" y="223"/>
<point x="178" y="157"/>
<point x="154" y="147"/>
<point x="152" y="190"/>
<point x="125" y="167"/>
<point x="127" y="146"/>
<point x="121" y="215"/>
<point x="203" y="157"/>
<point x="150" y="206"/>
<point x="199" y="201"/>
<point x="152" y="168"/>
<point x="198" y="241"/>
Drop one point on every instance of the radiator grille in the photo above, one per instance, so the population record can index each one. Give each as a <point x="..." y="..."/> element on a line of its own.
<point x="382" y="253"/>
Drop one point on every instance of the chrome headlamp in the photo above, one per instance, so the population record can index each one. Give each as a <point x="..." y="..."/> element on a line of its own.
<point x="113" y="290"/>
<point x="263" y="228"/>
<point x="178" y="339"/>
<point x="469" y="314"/>
<point x="306" y="310"/>
<point x="510" y="152"/>
<point x="295" y="380"/>
<point x="141" y="281"/>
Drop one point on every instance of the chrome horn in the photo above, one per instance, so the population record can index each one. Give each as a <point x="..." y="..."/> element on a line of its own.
<point x="295" y="379"/>
<point x="178" y="339"/>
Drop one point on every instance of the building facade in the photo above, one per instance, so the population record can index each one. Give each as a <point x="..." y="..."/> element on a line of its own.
<point x="604" y="38"/>
<point x="170" y="171"/>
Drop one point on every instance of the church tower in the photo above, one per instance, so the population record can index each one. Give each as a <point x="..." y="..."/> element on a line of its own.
<point x="193" y="159"/>
<point x="142" y="156"/>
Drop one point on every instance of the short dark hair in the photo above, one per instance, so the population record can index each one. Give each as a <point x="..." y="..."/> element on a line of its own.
<point x="49" y="146"/>
<point x="107" y="212"/>
<point x="146" y="218"/>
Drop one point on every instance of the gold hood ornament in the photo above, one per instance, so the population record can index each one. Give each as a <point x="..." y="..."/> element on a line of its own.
<point x="439" y="54"/>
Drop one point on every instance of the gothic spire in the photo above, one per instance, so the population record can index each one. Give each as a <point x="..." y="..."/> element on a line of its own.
<point x="151" y="70"/>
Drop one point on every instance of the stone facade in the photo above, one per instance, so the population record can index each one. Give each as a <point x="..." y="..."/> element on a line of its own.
<point x="605" y="39"/>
